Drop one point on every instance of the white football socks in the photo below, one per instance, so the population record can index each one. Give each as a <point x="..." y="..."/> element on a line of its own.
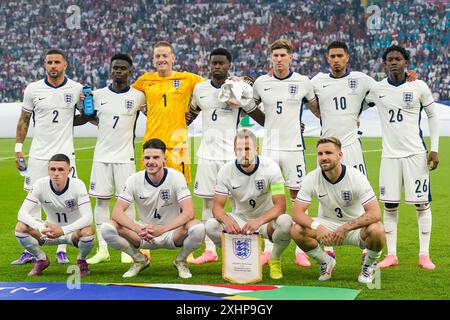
<point x="281" y="236"/>
<point x="194" y="239"/>
<point x="30" y="244"/>
<point x="85" y="244"/>
<point x="424" y="221"/>
<point x="113" y="239"/>
<point x="101" y="215"/>
<point x="390" y="227"/>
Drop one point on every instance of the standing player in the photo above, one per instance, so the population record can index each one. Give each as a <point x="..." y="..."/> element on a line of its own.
<point x="256" y="185"/>
<point x="349" y="213"/>
<point x="168" y="93"/>
<point x="117" y="107"/>
<point x="166" y="214"/>
<point x="51" y="102"/>
<point x="341" y="95"/>
<point x="69" y="216"/>
<point x="283" y="95"/>
<point x="219" y="123"/>
<point x="404" y="161"/>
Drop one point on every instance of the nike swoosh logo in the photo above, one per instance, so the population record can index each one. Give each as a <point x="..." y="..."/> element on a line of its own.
<point x="419" y="195"/>
<point x="103" y="103"/>
<point x="327" y="85"/>
<point x="322" y="195"/>
<point x="142" y="197"/>
<point x="235" y="187"/>
<point x="47" y="201"/>
<point x="202" y="97"/>
<point x="41" y="99"/>
<point x="379" y="97"/>
<point x="267" y="89"/>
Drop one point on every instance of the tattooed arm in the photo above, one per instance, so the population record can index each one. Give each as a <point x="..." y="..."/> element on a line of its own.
<point x="371" y="215"/>
<point x="21" y="133"/>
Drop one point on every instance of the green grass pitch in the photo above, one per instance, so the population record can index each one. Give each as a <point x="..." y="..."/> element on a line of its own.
<point x="406" y="281"/>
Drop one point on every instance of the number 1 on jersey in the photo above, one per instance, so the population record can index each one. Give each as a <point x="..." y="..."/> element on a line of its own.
<point x="165" y="100"/>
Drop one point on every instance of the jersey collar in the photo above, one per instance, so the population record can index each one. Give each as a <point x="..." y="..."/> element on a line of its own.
<point x="58" y="193"/>
<point x="212" y="84"/>
<point x="347" y="72"/>
<point x="396" y="84"/>
<point x="52" y="86"/>
<point x="158" y="184"/>
<point x="119" y="91"/>
<point x="250" y="173"/>
<point x="287" y="77"/>
<point x="344" y="169"/>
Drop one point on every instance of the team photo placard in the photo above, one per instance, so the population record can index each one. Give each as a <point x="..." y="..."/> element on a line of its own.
<point x="240" y="258"/>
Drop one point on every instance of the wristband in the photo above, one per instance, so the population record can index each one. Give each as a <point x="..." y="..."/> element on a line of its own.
<point x="315" y="225"/>
<point x="18" y="147"/>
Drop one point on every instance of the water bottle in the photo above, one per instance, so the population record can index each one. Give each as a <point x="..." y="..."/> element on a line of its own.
<point x="88" y="101"/>
<point x="23" y="171"/>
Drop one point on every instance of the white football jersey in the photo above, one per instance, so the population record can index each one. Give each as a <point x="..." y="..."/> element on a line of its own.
<point x="340" y="201"/>
<point x="250" y="191"/>
<point x="340" y="101"/>
<point x="53" y="110"/>
<point x="219" y="123"/>
<point x="117" y="114"/>
<point x="283" y="107"/>
<point x="157" y="204"/>
<point x="399" y="109"/>
<point x="61" y="208"/>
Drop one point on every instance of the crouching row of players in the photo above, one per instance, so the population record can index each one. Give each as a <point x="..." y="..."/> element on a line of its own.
<point x="348" y="210"/>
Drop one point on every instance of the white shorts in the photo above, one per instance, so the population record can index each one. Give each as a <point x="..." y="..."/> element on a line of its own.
<point x="353" y="237"/>
<point x="353" y="156"/>
<point x="38" y="168"/>
<point x="412" y="173"/>
<point x="292" y="164"/>
<point x="206" y="176"/>
<point x="107" y="176"/>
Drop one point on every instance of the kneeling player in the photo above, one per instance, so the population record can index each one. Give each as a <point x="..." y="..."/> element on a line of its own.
<point x="69" y="216"/>
<point x="166" y="214"/>
<point x="256" y="185"/>
<point x="349" y="213"/>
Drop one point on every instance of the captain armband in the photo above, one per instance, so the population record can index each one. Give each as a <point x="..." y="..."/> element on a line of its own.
<point x="277" y="189"/>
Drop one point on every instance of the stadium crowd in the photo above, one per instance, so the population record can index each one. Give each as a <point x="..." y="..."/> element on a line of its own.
<point x="27" y="29"/>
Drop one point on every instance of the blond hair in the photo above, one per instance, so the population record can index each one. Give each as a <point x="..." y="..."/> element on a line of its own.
<point x="163" y="44"/>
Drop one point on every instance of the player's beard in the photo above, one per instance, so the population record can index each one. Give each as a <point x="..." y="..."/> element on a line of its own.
<point x="337" y="68"/>
<point x="328" y="166"/>
<point x="246" y="163"/>
<point x="55" y="74"/>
